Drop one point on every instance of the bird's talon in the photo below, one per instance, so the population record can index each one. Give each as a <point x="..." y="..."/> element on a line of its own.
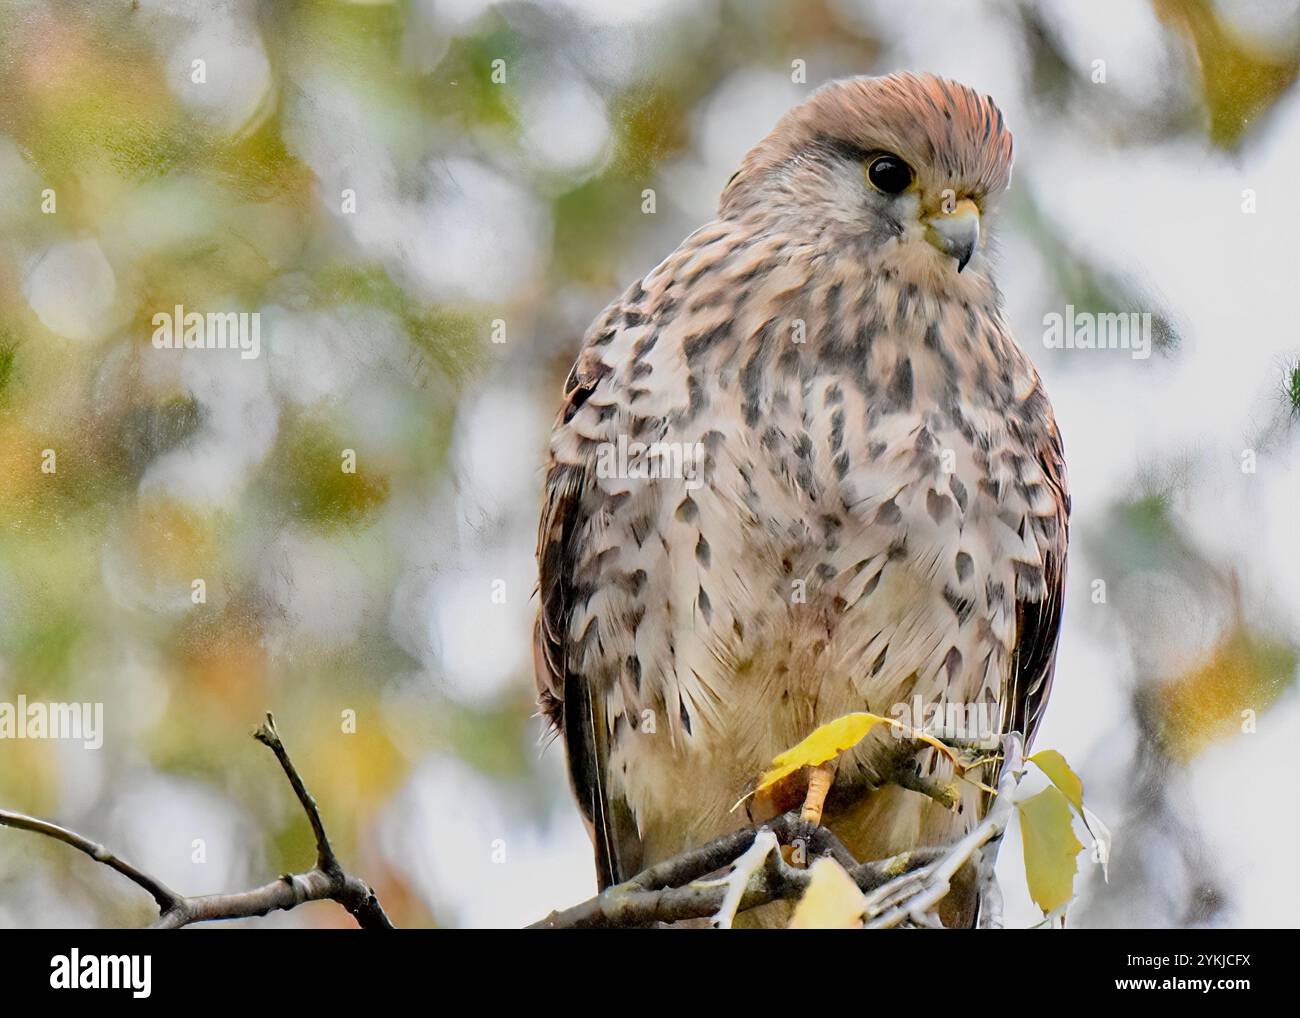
<point x="801" y="832"/>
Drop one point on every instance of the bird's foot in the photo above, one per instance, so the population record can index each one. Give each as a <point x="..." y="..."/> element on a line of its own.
<point x="820" y="778"/>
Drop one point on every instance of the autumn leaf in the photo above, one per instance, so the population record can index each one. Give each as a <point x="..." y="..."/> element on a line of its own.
<point x="831" y="901"/>
<point x="1059" y="772"/>
<point x="1051" y="849"/>
<point x="1053" y="764"/>
<point x="831" y="739"/>
<point x="825" y="743"/>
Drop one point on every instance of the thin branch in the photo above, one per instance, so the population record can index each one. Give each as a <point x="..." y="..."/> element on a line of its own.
<point x="162" y="894"/>
<point x="914" y="895"/>
<point x="945" y="794"/>
<point x="326" y="881"/>
<point x="269" y="737"/>
<point x="903" y="770"/>
<point x="990" y="893"/>
<point x="287" y="893"/>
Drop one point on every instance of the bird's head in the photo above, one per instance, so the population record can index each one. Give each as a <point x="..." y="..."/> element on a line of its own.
<point x="905" y="167"/>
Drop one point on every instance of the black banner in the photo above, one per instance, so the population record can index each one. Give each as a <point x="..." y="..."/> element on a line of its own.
<point x="338" y="968"/>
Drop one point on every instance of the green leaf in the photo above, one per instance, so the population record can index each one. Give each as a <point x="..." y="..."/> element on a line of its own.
<point x="1051" y="849"/>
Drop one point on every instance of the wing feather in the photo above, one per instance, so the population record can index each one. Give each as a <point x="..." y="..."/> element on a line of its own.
<point x="1038" y="622"/>
<point x="574" y="705"/>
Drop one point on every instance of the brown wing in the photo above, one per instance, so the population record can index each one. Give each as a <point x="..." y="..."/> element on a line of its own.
<point x="574" y="705"/>
<point x="1038" y="622"/>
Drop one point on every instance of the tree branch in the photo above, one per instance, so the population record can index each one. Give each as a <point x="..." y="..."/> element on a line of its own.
<point x="162" y="894"/>
<point x="326" y="881"/>
<point x="914" y="896"/>
<point x="269" y="737"/>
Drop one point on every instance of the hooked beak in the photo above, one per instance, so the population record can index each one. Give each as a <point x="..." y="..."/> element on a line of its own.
<point x="956" y="233"/>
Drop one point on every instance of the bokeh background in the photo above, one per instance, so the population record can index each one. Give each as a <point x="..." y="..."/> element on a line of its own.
<point x="1162" y="180"/>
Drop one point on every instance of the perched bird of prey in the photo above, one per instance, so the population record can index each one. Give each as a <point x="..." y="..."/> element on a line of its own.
<point x="803" y="469"/>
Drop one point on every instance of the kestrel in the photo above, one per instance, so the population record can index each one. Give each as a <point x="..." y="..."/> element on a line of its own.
<point x="803" y="469"/>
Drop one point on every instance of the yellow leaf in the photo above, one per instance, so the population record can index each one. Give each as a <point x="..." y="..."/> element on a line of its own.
<point x="1051" y="763"/>
<point x="1051" y="849"/>
<point x="833" y="738"/>
<point x="831" y="901"/>
<point x="825" y="743"/>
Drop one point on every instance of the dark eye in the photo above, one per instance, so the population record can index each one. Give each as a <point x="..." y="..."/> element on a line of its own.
<point x="889" y="174"/>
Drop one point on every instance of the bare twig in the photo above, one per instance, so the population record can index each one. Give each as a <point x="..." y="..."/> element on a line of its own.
<point x="903" y="770"/>
<point x="269" y="737"/>
<point x="162" y="894"/>
<point x="944" y="793"/>
<point x="914" y="895"/>
<point x="326" y="881"/>
<point x="990" y="893"/>
<point x="290" y="891"/>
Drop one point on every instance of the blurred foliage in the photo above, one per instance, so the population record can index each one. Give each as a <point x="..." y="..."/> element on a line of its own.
<point x="1089" y="287"/>
<point x="1219" y="698"/>
<point x="1238" y="668"/>
<point x="1240" y="79"/>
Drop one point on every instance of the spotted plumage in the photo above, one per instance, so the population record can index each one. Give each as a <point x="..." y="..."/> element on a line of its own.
<point x="841" y="486"/>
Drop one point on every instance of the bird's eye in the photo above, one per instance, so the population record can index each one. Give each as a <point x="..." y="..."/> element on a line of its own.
<point x="889" y="174"/>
